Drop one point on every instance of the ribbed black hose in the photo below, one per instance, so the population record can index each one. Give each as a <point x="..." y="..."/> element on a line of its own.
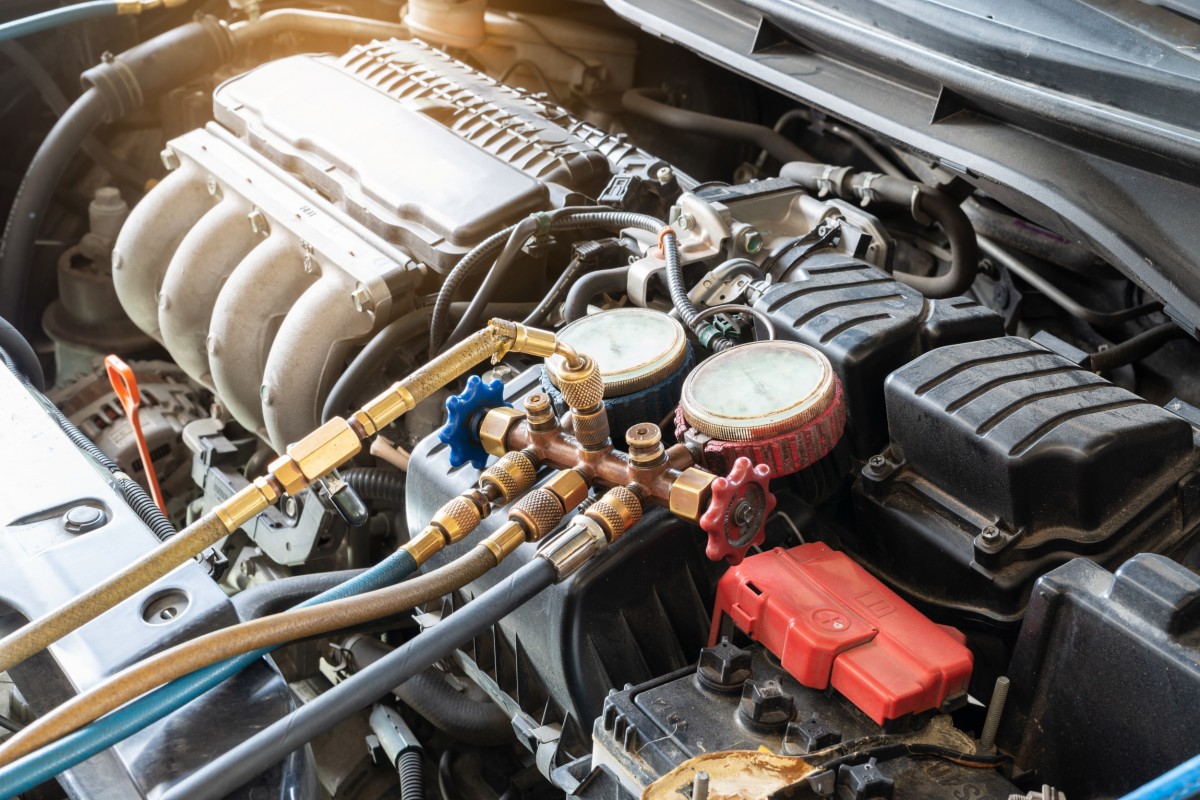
<point x="280" y="595"/>
<point x="257" y="754"/>
<point x="34" y="194"/>
<point x="410" y="765"/>
<point x="130" y="489"/>
<point x="649" y="103"/>
<point x="590" y="285"/>
<point x="913" y="195"/>
<point x="1133" y="350"/>
<point x="375" y="483"/>
<point x="20" y="356"/>
<point x="476" y="722"/>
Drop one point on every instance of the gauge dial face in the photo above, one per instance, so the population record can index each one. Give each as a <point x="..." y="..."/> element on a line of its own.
<point x="758" y="390"/>
<point x="634" y="348"/>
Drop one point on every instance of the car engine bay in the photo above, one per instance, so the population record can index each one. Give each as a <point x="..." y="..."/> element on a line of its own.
<point x="595" y="400"/>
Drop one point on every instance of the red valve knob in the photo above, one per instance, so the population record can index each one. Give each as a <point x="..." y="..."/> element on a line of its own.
<point x="737" y="514"/>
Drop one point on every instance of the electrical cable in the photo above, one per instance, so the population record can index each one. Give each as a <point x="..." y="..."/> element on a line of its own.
<point x="649" y="103"/>
<point x="569" y="273"/>
<point x="227" y="772"/>
<point x="22" y="358"/>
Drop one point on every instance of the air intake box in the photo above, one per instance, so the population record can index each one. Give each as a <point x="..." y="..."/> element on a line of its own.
<point x="1007" y="460"/>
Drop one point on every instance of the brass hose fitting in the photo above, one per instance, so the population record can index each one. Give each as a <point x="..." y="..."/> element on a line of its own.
<point x="582" y="387"/>
<point x="617" y="511"/>
<point x="592" y="531"/>
<point x="645" y="446"/>
<point x="514" y="473"/>
<point x="537" y="513"/>
<point x="508" y="477"/>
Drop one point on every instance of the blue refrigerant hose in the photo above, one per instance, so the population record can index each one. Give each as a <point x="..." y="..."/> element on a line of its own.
<point x="56" y="17"/>
<point x="1181" y="783"/>
<point x="38" y="767"/>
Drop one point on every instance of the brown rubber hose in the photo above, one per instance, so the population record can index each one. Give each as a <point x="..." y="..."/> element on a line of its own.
<point x="217" y="646"/>
<point x="49" y="628"/>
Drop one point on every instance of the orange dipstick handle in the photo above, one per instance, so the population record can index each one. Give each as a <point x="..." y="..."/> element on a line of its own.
<point x="125" y="385"/>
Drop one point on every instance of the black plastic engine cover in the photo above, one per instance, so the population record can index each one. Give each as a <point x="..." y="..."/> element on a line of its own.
<point x="639" y="611"/>
<point x="867" y="324"/>
<point x="1007" y="460"/>
<point x="1113" y="656"/>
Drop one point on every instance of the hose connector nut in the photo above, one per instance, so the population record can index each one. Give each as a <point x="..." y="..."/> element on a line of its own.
<point x="495" y="428"/>
<point x="514" y="473"/>
<point x="617" y="511"/>
<point x="644" y="441"/>
<point x="537" y="512"/>
<point x="583" y="387"/>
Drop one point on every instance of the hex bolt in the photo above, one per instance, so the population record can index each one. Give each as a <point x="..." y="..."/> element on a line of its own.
<point x="361" y="298"/>
<point x="664" y="174"/>
<point x="258" y="222"/>
<point x="700" y="786"/>
<point x="645" y="445"/>
<point x="751" y="241"/>
<point x="991" y="723"/>
<point x="170" y="159"/>
<point x="539" y="412"/>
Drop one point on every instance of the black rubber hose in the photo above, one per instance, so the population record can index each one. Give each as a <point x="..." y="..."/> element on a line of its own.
<point x="58" y="103"/>
<point x="375" y="483"/>
<point x="260" y="752"/>
<point x="649" y="103"/>
<point x="918" y="198"/>
<point x="1133" y="350"/>
<point x="590" y="285"/>
<point x="24" y="360"/>
<point x="115" y="87"/>
<point x="34" y="195"/>
<point x="285" y="593"/>
<point x="476" y="722"/>
<point x="130" y="489"/>
<point x="410" y="765"/>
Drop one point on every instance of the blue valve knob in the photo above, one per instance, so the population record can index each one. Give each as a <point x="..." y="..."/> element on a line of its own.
<point x="464" y="414"/>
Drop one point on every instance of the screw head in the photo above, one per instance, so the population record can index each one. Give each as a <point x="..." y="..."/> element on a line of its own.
<point x="664" y="174"/>
<point x="685" y="222"/>
<point x="990" y="534"/>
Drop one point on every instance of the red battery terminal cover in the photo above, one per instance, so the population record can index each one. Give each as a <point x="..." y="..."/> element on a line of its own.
<point x="832" y="624"/>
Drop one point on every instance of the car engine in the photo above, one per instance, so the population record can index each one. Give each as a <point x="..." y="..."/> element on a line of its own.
<point x="602" y="401"/>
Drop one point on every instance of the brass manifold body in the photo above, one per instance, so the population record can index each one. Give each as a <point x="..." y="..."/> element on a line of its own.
<point x="660" y="476"/>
